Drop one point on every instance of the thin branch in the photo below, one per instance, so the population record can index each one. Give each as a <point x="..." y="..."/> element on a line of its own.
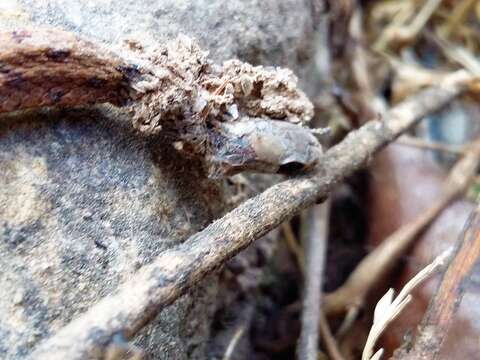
<point x="402" y="32"/>
<point x="429" y="145"/>
<point x="359" y="59"/>
<point x="315" y="247"/>
<point x="382" y="259"/>
<point x="315" y="223"/>
<point x="348" y="320"/>
<point x="444" y="305"/>
<point x="294" y="246"/>
<point x="422" y="17"/>
<point x="233" y="343"/>
<point x="175" y="271"/>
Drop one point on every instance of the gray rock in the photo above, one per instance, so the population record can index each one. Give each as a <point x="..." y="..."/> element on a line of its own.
<point x="85" y="200"/>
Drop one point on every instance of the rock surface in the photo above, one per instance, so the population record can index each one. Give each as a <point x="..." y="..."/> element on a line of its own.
<point x="86" y="200"/>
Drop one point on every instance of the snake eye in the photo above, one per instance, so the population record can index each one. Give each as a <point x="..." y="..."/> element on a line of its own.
<point x="291" y="168"/>
<point x="261" y="145"/>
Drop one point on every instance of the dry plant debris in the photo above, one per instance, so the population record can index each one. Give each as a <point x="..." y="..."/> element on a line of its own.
<point x="176" y="271"/>
<point x="443" y="307"/>
<point x="419" y="42"/>
<point x="378" y="263"/>
<point x="430" y="145"/>
<point x="328" y="339"/>
<point x="233" y="343"/>
<point x="315" y="246"/>
<point x="408" y="20"/>
<point x="388" y="307"/>
<point x="236" y="117"/>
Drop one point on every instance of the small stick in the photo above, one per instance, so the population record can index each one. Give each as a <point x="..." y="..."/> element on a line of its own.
<point x="407" y="32"/>
<point x="315" y="245"/>
<point x="381" y="260"/>
<point x="175" y="271"/>
<point x="358" y="58"/>
<point x="429" y="145"/>
<point x="444" y="305"/>
<point x="294" y="246"/>
<point x="422" y="17"/>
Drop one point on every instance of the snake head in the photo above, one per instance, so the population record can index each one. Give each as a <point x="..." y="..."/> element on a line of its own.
<point x="260" y="145"/>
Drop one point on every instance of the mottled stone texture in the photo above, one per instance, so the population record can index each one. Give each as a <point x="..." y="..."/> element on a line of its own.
<point x="85" y="200"/>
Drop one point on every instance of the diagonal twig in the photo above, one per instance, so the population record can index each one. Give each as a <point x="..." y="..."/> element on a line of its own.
<point x="175" y="271"/>
<point x="233" y="343"/>
<point x="430" y="145"/>
<point x="294" y="246"/>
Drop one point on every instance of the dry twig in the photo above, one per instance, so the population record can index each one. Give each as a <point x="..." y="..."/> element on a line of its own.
<point x="429" y="145"/>
<point x="370" y="104"/>
<point x="401" y="32"/>
<point x="444" y="305"/>
<point x="233" y="343"/>
<point x="294" y="246"/>
<point x="382" y="259"/>
<point x="315" y="245"/>
<point x="175" y="271"/>
<point x="45" y="67"/>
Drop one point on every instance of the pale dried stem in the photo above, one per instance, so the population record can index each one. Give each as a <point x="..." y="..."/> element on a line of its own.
<point x="429" y="145"/>
<point x="294" y="246"/>
<point x="358" y="61"/>
<point x="234" y="341"/>
<point x="315" y="244"/>
<point x="460" y="12"/>
<point x="423" y="16"/>
<point x="403" y="32"/>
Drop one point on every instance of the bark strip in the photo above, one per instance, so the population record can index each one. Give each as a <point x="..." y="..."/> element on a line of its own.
<point x="45" y="67"/>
